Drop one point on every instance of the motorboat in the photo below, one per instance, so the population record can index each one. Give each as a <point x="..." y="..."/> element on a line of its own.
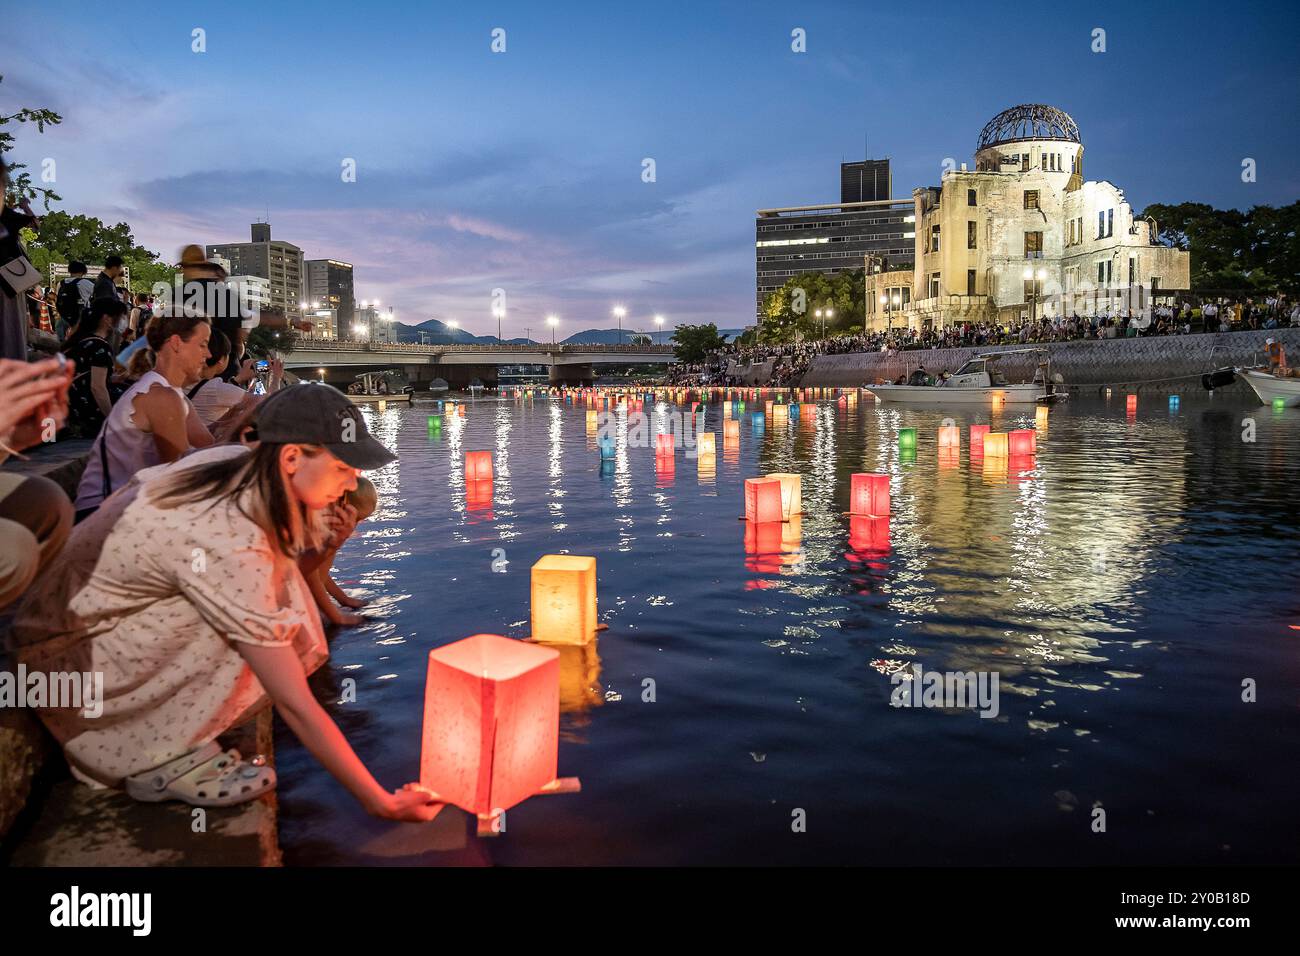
<point x="978" y="382"/>
<point x="1270" y="387"/>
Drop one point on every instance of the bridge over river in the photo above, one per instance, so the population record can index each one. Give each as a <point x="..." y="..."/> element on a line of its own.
<point x="461" y="364"/>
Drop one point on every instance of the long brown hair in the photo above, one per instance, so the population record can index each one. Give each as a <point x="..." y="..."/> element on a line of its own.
<point x="256" y="486"/>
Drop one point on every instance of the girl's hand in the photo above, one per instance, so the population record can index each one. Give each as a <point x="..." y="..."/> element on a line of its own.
<point x="412" y="804"/>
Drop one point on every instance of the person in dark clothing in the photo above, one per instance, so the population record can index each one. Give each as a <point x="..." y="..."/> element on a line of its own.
<point x="91" y="397"/>
<point x="13" y="308"/>
<point x="106" y="282"/>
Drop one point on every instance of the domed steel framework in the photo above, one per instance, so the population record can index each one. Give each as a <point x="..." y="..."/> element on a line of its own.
<point x="1028" y="121"/>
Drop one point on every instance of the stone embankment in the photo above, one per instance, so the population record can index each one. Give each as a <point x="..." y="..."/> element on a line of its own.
<point x="1157" y="363"/>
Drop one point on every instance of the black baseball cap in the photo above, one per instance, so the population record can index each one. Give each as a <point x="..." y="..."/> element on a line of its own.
<point x="313" y="413"/>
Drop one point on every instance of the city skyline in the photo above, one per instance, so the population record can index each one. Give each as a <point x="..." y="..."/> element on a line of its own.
<point x="523" y="170"/>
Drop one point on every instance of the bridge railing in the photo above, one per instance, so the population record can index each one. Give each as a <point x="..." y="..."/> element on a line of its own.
<point x="333" y="345"/>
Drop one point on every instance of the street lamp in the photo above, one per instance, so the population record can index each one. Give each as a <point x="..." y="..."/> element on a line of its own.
<point x="659" y="321"/>
<point x="359" y="330"/>
<point x="818" y="314"/>
<point x="619" y="312"/>
<point x="552" y="321"/>
<point x="453" y="325"/>
<point x="499" y="313"/>
<point x="1035" y="278"/>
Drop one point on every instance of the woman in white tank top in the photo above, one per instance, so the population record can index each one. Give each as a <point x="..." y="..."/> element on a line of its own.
<point x="152" y="423"/>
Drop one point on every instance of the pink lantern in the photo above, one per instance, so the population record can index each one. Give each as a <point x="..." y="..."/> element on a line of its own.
<point x="977" y="433"/>
<point x="869" y="495"/>
<point x="478" y="466"/>
<point x="1131" y="403"/>
<point x="949" y="437"/>
<point x="1022" y="441"/>
<point x="763" y="500"/>
<point x="491" y="725"/>
<point x="664" y="445"/>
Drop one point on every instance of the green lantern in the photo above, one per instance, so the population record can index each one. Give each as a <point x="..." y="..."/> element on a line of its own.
<point x="907" y="440"/>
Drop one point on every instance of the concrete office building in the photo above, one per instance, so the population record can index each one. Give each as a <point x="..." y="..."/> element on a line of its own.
<point x="328" y="285"/>
<point x="281" y="263"/>
<point x="1024" y="233"/>
<point x="837" y="237"/>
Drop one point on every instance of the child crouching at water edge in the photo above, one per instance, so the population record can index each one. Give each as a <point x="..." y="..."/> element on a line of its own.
<point x="185" y="592"/>
<point x="343" y="516"/>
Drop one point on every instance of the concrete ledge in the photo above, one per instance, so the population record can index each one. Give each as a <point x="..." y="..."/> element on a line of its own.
<point x="66" y="823"/>
<point x="61" y="462"/>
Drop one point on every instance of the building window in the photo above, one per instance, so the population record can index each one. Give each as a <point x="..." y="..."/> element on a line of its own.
<point x="1110" y="222"/>
<point x="970" y="281"/>
<point x="1071" y="240"/>
<point x="971" y="227"/>
<point x="1031" y="198"/>
<point x="1074" y="163"/>
<point x="970" y="197"/>
<point x="1033" y="245"/>
<point x="934" y="285"/>
<point x="934" y="238"/>
<point x="1024" y="162"/>
<point x="1132" y="270"/>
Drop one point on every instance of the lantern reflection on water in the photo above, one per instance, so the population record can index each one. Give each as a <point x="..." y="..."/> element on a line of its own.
<point x="478" y="495"/>
<point x="607" y="449"/>
<point x="706" y="468"/>
<point x="1022" y="441"/>
<point x="791" y="494"/>
<point x="478" y="466"/>
<point x="705" y="444"/>
<point x="763" y="500"/>
<point x="491" y="724"/>
<point x="580" y="688"/>
<point x="949" y="458"/>
<point x="869" y="536"/>
<point x="869" y="495"/>
<point x="731" y="430"/>
<point x="664" y="445"/>
<point x="564" y="599"/>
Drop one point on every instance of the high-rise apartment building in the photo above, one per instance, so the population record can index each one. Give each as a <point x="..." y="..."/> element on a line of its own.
<point x="281" y="263"/>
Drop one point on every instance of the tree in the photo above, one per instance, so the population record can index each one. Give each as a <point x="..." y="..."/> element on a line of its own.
<point x="692" y="343"/>
<point x="64" y="237"/>
<point x="791" y="311"/>
<point x="1251" y="251"/>
<point x="264" y="341"/>
<point x="20" y="181"/>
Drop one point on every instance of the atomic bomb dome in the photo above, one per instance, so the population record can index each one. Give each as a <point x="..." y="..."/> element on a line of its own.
<point x="1028" y="122"/>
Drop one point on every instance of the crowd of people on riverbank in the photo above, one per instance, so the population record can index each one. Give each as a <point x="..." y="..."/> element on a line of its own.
<point x="791" y="360"/>
<point x="193" y="565"/>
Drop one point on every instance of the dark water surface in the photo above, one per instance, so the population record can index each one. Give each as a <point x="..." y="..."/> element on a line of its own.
<point x="1123" y="585"/>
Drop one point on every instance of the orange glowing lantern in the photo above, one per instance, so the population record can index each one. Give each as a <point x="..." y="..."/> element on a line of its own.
<point x="780" y="414"/>
<point x="869" y="495"/>
<point x="1022" y="441"/>
<point x="664" y="445"/>
<point x="791" y="494"/>
<point x="1131" y="403"/>
<point x="478" y="466"/>
<point x="1040" y="418"/>
<point x="705" y="444"/>
<point x="564" y="599"/>
<point x="949" y="437"/>
<point x="995" y="445"/>
<point x="763" y="500"/>
<point x="977" y="433"/>
<point x="731" y="430"/>
<point x="491" y="725"/>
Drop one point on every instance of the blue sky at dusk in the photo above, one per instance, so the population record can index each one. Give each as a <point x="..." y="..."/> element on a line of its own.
<point x="522" y="170"/>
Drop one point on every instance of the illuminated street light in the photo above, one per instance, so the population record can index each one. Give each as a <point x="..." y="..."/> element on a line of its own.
<point x="619" y="312"/>
<point x="552" y="321"/>
<point x="659" y="321"/>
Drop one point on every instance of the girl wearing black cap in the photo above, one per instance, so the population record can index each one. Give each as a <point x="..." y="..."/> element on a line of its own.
<point x="184" y="588"/>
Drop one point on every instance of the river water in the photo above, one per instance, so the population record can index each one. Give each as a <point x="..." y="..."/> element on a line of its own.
<point x="1128" y="586"/>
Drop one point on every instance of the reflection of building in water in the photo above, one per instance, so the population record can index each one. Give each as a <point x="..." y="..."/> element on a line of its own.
<point x="1024" y="232"/>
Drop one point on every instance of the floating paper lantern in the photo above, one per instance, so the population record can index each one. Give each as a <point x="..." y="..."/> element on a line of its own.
<point x="763" y="500"/>
<point x="1174" y="401"/>
<point x="995" y="445"/>
<point x="949" y="458"/>
<point x="949" y="437"/>
<point x="791" y="494"/>
<point x="1022" y="441"/>
<point x="607" y="449"/>
<point x="705" y="444"/>
<point x="869" y="494"/>
<point x="907" y="439"/>
<point x="435" y="424"/>
<point x="780" y="414"/>
<point x="731" y="431"/>
<point x="564" y="599"/>
<point x="760" y="425"/>
<point x="1040" y="417"/>
<point x="1279" y="404"/>
<point x="977" y="433"/>
<point x="726" y="410"/>
<point x="767" y="407"/>
<point x="664" y="445"/>
<point x="1131" y="403"/>
<point x="478" y="466"/>
<point x="491" y="724"/>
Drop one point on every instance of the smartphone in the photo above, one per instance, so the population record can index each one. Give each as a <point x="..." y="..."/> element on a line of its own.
<point x="263" y="365"/>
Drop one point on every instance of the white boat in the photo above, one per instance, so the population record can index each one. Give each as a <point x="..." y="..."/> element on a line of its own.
<point x="1269" y="387"/>
<point x="977" y="382"/>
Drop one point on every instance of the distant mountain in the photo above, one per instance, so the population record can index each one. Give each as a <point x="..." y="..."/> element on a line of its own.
<point x="439" y="333"/>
